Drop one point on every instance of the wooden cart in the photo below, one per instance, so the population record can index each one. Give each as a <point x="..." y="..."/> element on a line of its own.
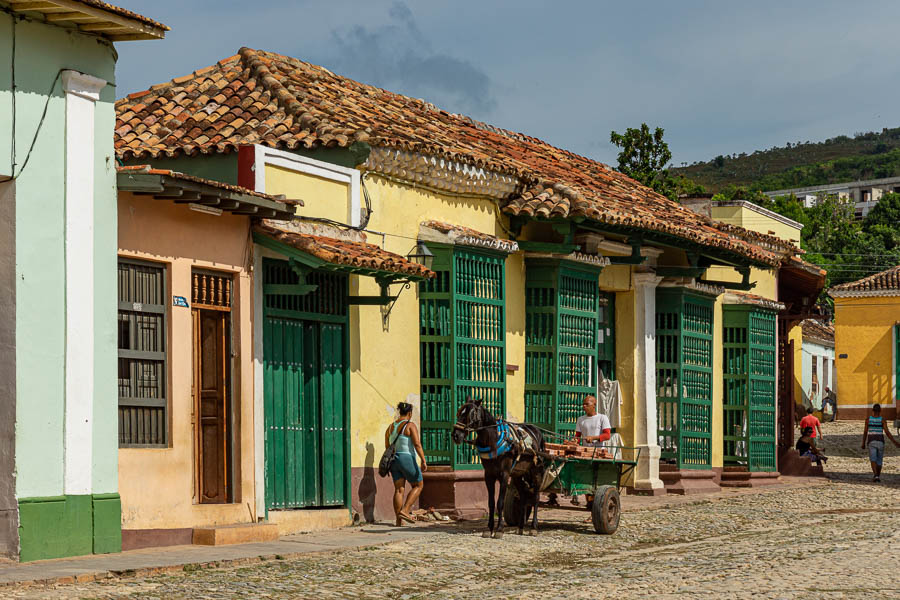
<point x="587" y="474"/>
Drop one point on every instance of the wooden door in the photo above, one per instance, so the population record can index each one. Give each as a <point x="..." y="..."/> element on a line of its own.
<point x="211" y="405"/>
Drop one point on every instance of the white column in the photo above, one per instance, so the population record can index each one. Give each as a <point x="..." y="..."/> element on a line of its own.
<point x="82" y="93"/>
<point x="646" y="476"/>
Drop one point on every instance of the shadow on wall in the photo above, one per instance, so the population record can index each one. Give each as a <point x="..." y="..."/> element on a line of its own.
<point x="367" y="487"/>
<point x="877" y="369"/>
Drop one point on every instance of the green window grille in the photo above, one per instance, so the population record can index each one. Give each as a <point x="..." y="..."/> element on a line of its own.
<point x="606" y="336"/>
<point x="749" y="387"/>
<point x="462" y="336"/>
<point x="684" y="328"/>
<point x="143" y="400"/>
<point x="561" y="342"/>
<point x="896" y="361"/>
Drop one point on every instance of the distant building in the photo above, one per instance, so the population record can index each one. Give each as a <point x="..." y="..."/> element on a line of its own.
<point x="746" y="214"/>
<point x="864" y="194"/>
<point x="867" y="343"/>
<point x="818" y="361"/>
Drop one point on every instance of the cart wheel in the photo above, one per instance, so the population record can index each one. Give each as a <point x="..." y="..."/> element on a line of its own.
<point x="606" y="510"/>
<point x="511" y="507"/>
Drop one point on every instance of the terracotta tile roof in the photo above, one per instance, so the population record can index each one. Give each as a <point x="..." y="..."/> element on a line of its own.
<point x="738" y="297"/>
<point x="466" y="236"/>
<point x="341" y="251"/>
<point x="258" y="97"/>
<point x="814" y="329"/>
<point x="211" y="182"/>
<point x="886" y="283"/>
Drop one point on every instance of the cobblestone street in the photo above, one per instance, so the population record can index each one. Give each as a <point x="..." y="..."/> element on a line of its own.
<point x="839" y="539"/>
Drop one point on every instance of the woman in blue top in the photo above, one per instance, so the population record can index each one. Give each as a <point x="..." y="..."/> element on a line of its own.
<point x="873" y="436"/>
<point x="404" y="467"/>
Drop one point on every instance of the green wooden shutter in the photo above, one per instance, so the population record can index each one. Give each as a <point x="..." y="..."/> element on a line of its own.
<point x="735" y="404"/>
<point x="606" y="337"/>
<point x="762" y="390"/>
<point x="561" y="324"/>
<point x="896" y="361"/>
<point x="749" y="384"/>
<point x="684" y="321"/>
<point x="462" y="333"/>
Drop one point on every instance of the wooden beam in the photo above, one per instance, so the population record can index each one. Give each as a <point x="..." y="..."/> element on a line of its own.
<point x="101" y="27"/>
<point x="71" y="16"/>
<point x="23" y="6"/>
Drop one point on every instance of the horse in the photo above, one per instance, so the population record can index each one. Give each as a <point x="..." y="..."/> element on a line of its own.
<point x="502" y="446"/>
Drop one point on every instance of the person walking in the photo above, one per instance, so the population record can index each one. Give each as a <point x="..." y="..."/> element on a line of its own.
<point x="404" y="468"/>
<point x="810" y="420"/>
<point x="873" y="437"/>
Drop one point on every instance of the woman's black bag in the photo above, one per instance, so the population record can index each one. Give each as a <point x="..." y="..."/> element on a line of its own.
<point x="387" y="459"/>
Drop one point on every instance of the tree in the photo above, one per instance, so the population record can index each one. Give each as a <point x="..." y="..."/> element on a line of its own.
<point x="644" y="157"/>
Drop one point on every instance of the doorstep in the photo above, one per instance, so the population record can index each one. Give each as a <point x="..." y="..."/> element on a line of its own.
<point x="240" y="533"/>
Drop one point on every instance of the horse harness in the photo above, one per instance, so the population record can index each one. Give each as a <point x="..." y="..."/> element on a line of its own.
<point x="511" y="437"/>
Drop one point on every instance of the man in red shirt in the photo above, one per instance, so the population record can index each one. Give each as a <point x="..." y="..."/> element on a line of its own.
<point x="810" y="420"/>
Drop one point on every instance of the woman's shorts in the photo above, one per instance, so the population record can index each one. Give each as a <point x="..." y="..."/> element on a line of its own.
<point x="406" y="467"/>
<point x="876" y="452"/>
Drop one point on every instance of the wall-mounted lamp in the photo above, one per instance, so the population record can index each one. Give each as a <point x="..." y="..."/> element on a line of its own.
<point x="420" y="254"/>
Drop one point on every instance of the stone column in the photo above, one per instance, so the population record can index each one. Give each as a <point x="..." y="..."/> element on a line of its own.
<point x="646" y="478"/>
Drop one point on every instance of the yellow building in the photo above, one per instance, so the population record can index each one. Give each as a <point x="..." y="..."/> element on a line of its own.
<point x="867" y="344"/>
<point x="548" y="268"/>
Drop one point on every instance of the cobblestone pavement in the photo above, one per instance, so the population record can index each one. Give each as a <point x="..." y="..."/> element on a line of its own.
<point x="840" y="539"/>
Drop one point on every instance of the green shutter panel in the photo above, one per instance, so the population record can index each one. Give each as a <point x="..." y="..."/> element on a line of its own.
<point x="606" y="336"/>
<point x="561" y="326"/>
<point x="749" y="384"/>
<point x="896" y="360"/>
<point x="462" y="333"/>
<point x="684" y="322"/>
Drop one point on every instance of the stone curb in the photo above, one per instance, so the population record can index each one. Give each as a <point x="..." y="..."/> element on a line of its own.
<point x="101" y="575"/>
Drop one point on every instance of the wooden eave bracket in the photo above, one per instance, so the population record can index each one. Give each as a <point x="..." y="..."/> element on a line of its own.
<point x="384" y="298"/>
<point x="163" y="187"/>
<point x="635" y="259"/>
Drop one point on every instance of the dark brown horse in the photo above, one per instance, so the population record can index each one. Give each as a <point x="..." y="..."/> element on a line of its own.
<point x="500" y="446"/>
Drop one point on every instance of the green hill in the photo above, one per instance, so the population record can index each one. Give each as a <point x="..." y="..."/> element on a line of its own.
<point x="864" y="156"/>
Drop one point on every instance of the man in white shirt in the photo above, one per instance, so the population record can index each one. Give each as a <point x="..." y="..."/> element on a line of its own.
<point x="592" y="428"/>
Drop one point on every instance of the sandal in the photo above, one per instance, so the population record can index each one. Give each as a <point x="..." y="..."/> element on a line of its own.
<point x="406" y="517"/>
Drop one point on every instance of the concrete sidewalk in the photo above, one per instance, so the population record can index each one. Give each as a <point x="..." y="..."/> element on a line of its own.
<point x="151" y="561"/>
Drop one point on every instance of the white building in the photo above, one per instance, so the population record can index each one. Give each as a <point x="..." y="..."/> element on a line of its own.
<point x="864" y="194"/>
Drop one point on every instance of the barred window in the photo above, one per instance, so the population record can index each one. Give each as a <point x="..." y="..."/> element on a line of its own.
<point x="142" y="354"/>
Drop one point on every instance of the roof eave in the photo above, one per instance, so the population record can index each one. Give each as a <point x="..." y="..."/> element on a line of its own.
<point x="91" y="20"/>
<point x="166" y="187"/>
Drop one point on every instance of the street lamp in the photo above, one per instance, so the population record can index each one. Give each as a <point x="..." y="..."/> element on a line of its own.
<point x="420" y="254"/>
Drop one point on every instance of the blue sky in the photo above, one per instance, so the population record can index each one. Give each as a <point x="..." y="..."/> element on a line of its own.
<point x="719" y="77"/>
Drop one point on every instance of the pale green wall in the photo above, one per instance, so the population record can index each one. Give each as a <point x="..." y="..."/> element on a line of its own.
<point x="41" y="51"/>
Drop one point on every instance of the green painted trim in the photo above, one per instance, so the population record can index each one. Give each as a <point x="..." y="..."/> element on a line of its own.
<point x="55" y="527"/>
<point x="107" y="534"/>
<point x="60" y="526"/>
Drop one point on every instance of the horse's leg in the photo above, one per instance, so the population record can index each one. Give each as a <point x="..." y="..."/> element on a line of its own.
<point x="522" y="508"/>
<point x="534" y="500"/>
<point x="504" y="479"/>
<point x="489" y="482"/>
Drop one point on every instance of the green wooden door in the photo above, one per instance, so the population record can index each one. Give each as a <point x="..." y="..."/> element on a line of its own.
<point x="462" y="345"/>
<point x="684" y="322"/>
<point x="305" y="392"/>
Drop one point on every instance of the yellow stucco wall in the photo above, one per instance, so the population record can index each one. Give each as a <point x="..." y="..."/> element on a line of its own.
<point x="383" y="364"/>
<point x="321" y="197"/>
<point x="157" y="485"/>
<point x="864" y="332"/>
<point x="754" y="221"/>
